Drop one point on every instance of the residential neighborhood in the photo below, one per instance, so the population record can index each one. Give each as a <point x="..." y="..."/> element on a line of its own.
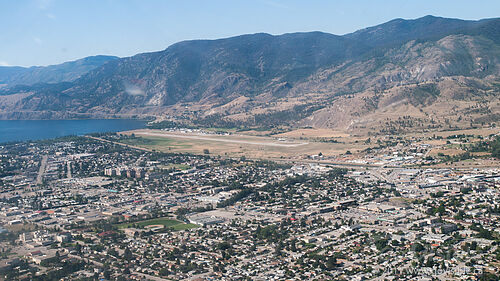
<point x="85" y="209"/>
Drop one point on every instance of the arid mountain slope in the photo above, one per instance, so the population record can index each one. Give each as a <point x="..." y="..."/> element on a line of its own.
<point x="430" y="69"/>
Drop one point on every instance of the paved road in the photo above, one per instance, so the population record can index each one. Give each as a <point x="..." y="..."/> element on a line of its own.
<point x="86" y="260"/>
<point x="69" y="170"/>
<point x="379" y="175"/>
<point x="219" y="139"/>
<point x="119" y="143"/>
<point x="43" y="164"/>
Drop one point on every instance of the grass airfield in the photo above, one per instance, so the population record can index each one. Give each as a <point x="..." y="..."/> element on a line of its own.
<point x="239" y="145"/>
<point x="295" y="145"/>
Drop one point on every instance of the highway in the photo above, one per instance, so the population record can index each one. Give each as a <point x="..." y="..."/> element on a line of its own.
<point x="43" y="164"/>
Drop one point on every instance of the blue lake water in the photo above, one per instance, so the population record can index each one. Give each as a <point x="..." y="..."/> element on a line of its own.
<point x="22" y="130"/>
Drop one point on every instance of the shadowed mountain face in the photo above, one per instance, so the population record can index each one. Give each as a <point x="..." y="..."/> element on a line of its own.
<point x="298" y="78"/>
<point x="65" y="72"/>
<point x="195" y="70"/>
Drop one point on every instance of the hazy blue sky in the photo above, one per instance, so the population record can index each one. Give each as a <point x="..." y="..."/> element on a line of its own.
<point x="41" y="32"/>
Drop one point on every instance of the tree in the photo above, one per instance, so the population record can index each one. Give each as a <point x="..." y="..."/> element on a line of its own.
<point x="417" y="247"/>
<point x="78" y="248"/>
<point x="293" y="246"/>
<point x="127" y="255"/>
<point x="487" y="276"/>
<point x="381" y="244"/>
<point x="277" y="249"/>
<point x="331" y="263"/>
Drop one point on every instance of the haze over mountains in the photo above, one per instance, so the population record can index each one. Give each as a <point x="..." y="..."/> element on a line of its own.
<point x="64" y="72"/>
<point x="397" y="76"/>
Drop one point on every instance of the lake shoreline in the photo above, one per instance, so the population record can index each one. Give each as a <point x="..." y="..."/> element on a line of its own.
<point x="34" y="130"/>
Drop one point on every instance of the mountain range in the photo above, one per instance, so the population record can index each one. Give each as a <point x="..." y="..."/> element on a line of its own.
<point x="65" y="72"/>
<point x="399" y="76"/>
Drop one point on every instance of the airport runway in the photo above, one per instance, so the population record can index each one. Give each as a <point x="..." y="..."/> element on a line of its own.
<point x="207" y="138"/>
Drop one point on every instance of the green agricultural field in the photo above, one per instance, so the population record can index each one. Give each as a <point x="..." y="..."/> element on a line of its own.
<point x="167" y="222"/>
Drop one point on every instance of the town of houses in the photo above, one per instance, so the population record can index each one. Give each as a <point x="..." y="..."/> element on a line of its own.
<point x="78" y="208"/>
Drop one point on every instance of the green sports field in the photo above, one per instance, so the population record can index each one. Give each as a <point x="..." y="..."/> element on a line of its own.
<point x="167" y="222"/>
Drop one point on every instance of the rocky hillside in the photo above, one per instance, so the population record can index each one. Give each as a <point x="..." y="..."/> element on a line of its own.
<point x="430" y="70"/>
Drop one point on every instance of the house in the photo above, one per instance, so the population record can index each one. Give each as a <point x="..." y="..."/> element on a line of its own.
<point x="8" y="264"/>
<point x="63" y="237"/>
<point x="436" y="238"/>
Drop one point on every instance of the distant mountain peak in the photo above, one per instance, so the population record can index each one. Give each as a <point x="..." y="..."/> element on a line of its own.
<point x="401" y="30"/>
<point x="64" y="72"/>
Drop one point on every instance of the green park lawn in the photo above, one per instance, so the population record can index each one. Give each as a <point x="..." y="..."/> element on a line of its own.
<point x="167" y="222"/>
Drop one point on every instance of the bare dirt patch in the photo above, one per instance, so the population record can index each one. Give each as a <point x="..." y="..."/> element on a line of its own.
<point x="314" y="133"/>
